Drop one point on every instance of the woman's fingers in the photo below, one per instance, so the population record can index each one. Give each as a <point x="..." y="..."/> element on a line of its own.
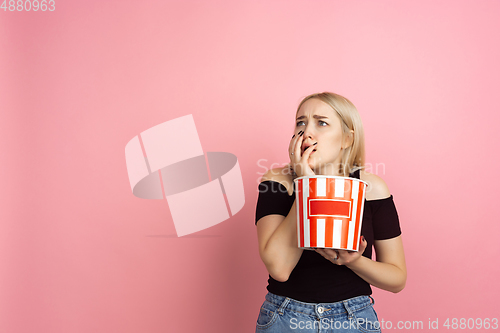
<point x="329" y="254"/>
<point x="299" y="159"/>
<point x="341" y="257"/>
<point x="362" y="244"/>
<point x="295" y="153"/>
<point x="305" y="160"/>
<point x="344" y="254"/>
<point x="308" y="151"/>
<point x="293" y="143"/>
<point x="298" y="144"/>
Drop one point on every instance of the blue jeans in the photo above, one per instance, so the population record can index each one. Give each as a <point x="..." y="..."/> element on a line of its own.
<point x="284" y="314"/>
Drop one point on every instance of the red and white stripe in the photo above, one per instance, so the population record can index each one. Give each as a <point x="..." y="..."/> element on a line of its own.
<point x="329" y="212"/>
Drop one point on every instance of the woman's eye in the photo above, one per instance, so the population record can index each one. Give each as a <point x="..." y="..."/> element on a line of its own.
<point x="320" y="122"/>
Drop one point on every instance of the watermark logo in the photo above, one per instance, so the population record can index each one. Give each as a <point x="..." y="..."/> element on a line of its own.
<point x="168" y="162"/>
<point x="330" y="323"/>
<point x="286" y="170"/>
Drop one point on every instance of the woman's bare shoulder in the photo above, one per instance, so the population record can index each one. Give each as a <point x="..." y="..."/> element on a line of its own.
<point x="377" y="188"/>
<point x="280" y="175"/>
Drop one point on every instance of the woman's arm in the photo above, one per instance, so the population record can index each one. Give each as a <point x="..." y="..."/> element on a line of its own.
<point x="278" y="244"/>
<point x="388" y="272"/>
<point x="277" y="237"/>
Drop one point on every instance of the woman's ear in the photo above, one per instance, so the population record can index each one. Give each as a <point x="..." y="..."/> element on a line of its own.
<point x="348" y="140"/>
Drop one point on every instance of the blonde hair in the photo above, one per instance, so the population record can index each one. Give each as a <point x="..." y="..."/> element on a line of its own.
<point x="353" y="157"/>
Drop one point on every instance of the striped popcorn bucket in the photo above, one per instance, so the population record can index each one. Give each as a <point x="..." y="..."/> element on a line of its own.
<point x="329" y="212"/>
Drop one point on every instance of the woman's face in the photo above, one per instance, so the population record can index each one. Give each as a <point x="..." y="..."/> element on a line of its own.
<point x="320" y="124"/>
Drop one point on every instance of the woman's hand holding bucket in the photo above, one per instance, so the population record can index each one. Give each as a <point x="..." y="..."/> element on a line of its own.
<point x="298" y="161"/>
<point x="343" y="257"/>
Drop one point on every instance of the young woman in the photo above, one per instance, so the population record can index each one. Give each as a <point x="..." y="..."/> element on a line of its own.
<point x="326" y="290"/>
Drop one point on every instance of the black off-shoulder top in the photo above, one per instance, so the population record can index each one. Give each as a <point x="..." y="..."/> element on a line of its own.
<point x="315" y="279"/>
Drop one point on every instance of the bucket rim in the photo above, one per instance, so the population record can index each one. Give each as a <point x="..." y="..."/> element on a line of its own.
<point x="329" y="177"/>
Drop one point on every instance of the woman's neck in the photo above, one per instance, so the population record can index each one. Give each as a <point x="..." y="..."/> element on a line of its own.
<point x="329" y="170"/>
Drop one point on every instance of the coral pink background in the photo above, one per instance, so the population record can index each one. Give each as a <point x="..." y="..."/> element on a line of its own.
<point x="80" y="253"/>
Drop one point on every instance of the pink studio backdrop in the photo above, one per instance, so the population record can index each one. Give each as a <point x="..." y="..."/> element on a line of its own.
<point x="80" y="253"/>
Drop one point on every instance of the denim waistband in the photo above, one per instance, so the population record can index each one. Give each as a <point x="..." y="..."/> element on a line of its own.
<point x="320" y="309"/>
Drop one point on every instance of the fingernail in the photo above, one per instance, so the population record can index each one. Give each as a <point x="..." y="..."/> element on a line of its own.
<point x="315" y="143"/>
<point x="293" y="136"/>
<point x="301" y="132"/>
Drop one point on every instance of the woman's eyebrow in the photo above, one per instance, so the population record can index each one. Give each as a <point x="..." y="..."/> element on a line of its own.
<point x="315" y="116"/>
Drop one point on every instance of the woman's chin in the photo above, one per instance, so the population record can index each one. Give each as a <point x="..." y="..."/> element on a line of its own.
<point x="313" y="164"/>
<point x="316" y="164"/>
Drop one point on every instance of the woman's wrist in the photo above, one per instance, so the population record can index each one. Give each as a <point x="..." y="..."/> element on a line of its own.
<point x="358" y="263"/>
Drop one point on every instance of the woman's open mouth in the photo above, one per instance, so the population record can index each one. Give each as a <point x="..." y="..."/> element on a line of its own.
<point x="306" y="147"/>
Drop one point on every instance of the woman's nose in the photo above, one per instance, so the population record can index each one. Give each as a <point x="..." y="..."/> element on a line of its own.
<point x="308" y="133"/>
